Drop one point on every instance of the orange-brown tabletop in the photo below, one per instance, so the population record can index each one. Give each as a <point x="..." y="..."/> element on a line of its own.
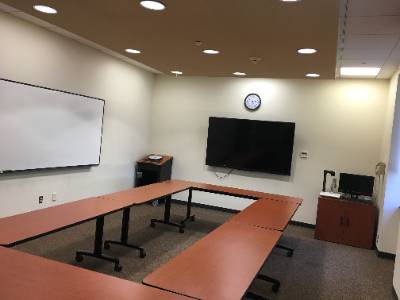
<point x="267" y="213"/>
<point x="24" y="276"/>
<point x="220" y="266"/>
<point x="33" y="224"/>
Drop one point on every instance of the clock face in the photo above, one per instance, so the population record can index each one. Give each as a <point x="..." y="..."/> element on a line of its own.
<point x="252" y="101"/>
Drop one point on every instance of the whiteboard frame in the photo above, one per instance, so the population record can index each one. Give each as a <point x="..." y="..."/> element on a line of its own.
<point x="65" y="92"/>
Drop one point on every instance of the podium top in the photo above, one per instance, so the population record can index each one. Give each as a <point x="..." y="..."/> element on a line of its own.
<point x="147" y="160"/>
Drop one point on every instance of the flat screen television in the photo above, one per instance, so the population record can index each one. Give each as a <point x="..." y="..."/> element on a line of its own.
<point x="250" y="145"/>
<point x="357" y="185"/>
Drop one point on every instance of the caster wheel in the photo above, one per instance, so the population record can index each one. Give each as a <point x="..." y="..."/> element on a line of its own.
<point x="181" y="230"/>
<point x="289" y="254"/>
<point x="117" y="268"/>
<point x="192" y="218"/>
<point x="152" y="225"/>
<point x="142" y="254"/>
<point x="106" y="246"/>
<point x="275" y="288"/>
<point x="78" y="258"/>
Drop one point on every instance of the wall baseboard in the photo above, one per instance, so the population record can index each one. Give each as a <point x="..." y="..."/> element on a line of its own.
<point x="394" y="293"/>
<point x="385" y="255"/>
<point x="302" y="224"/>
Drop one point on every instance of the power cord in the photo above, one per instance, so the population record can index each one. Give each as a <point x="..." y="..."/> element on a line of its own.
<point x="224" y="176"/>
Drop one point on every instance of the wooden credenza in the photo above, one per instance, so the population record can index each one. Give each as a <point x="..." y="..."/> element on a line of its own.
<point x="346" y="222"/>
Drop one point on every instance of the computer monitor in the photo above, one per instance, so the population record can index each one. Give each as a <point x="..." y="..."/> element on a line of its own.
<point x="357" y="185"/>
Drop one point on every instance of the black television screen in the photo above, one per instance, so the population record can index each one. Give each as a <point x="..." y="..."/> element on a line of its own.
<point x="251" y="145"/>
<point x="356" y="184"/>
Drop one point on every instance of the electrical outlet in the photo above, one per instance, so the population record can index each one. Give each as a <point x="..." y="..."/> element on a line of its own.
<point x="304" y="154"/>
<point x="54" y="197"/>
<point x="41" y="199"/>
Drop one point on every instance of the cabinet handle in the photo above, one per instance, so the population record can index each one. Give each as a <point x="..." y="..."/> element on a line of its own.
<point x="341" y="221"/>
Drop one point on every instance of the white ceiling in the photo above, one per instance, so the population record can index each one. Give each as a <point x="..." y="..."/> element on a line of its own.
<point x="370" y="35"/>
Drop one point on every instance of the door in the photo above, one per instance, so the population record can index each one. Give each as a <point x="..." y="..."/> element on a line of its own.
<point x="330" y="220"/>
<point x="360" y="222"/>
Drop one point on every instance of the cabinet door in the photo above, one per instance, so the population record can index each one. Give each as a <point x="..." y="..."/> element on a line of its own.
<point x="360" y="221"/>
<point x="330" y="220"/>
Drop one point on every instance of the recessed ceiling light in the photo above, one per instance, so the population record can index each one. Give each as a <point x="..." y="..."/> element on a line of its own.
<point x="359" y="71"/>
<point x="133" y="51"/>
<point x="239" y="74"/>
<point x="45" y="9"/>
<point x="307" y="51"/>
<point x="177" y="72"/>
<point x="290" y="0"/>
<point x="210" y="51"/>
<point x="313" y="75"/>
<point x="153" y="5"/>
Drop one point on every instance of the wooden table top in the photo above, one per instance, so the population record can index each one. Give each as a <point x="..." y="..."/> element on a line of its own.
<point x="222" y="265"/>
<point x="24" y="276"/>
<point x="22" y="227"/>
<point x="238" y="192"/>
<point x="267" y="213"/>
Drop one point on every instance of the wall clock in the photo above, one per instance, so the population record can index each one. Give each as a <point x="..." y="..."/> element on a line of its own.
<point x="252" y="102"/>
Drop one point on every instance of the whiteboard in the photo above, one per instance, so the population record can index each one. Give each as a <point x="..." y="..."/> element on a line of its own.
<point x="45" y="128"/>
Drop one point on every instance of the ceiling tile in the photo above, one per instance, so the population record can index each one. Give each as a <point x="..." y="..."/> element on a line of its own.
<point x="361" y="63"/>
<point x="366" y="54"/>
<point x="373" y="25"/>
<point x="395" y="55"/>
<point x="374" y="8"/>
<point x="369" y="41"/>
<point x="387" y="71"/>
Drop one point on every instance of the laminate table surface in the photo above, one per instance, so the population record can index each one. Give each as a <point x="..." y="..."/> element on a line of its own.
<point x="237" y="192"/>
<point x="222" y="265"/>
<point x="27" y="277"/>
<point x="22" y="227"/>
<point x="265" y="213"/>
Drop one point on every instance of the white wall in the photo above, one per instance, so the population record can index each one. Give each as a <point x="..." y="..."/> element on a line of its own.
<point x="389" y="201"/>
<point x="388" y="230"/>
<point x="396" y="275"/>
<point x="340" y="123"/>
<point x="31" y="54"/>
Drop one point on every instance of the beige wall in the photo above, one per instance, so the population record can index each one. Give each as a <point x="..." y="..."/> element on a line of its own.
<point x="388" y="230"/>
<point x="31" y="54"/>
<point x="396" y="276"/>
<point x="389" y="202"/>
<point x="340" y="123"/>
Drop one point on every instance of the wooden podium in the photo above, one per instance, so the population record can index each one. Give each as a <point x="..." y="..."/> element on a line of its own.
<point x="152" y="171"/>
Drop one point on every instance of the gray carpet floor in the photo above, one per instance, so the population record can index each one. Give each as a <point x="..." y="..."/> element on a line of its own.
<point x="317" y="270"/>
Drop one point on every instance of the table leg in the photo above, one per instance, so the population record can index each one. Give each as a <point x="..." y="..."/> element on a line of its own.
<point x="250" y="295"/>
<point x="276" y="284"/>
<point x="289" y="250"/>
<point x="124" y="235"/>
<point x="167" y="214"/>
<point x="98" y="247"/>
<point x="189" y="216"/>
